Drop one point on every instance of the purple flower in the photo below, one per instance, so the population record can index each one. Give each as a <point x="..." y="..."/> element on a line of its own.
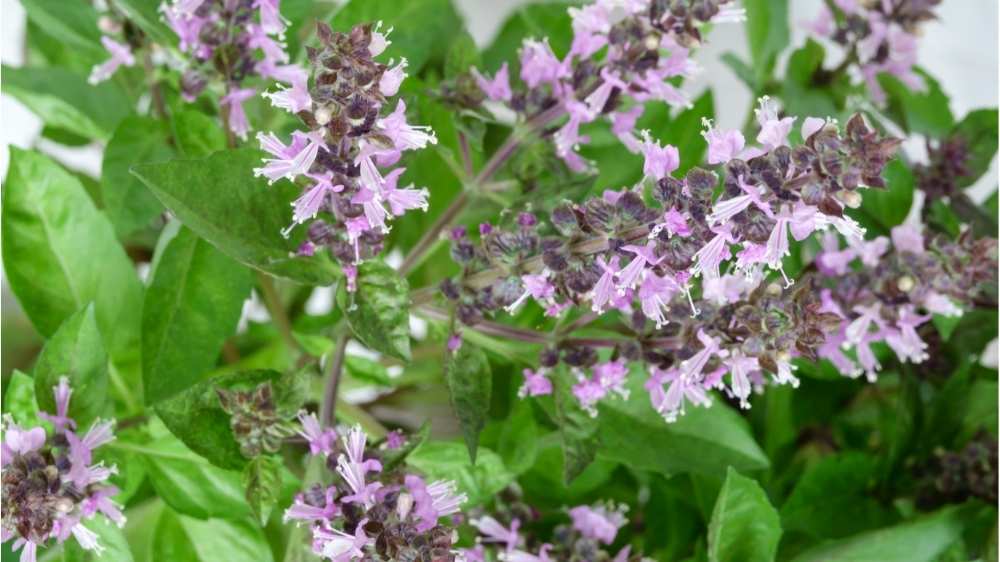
<point x="338" y="546"/>
<point x="773" y="131"/>
<point x="233" y="101"/>
<point x="539" y="65"/>
<point x="811" y="126"/>
<point x="293" y="99"/>
<point x="623" y="125"/>
<point x="908" y="238"/>
<point x="777" y="245"/>
<point x="723" y="146"/>
<point x="670" y="404"/>
<point x="691" y="368"/>
<point x="604" y="290"/>
<point x="725" y="210"/>
<point x="402" y="200"/>
<point x="536" y="286"/>
<point x="402" y="135"/>
<point x="60" y="420"/>
<point x="374" y="212"/>
<point x="536" y="383"/>
<point x="270" y="17"/>
<point x="869" y="315"/>
<point x="380" y="41"/>
<point x="655" y="295"/>
<point x="644" y="255"/>
<point x="660" y="162"/>
<point x="713" y="253"/>
<point x="322" y="441"/>
<point x="674" y="222"/>
<point x="495" y="532"/>
<point x="740" y="367"/>
<point x="937" y="303"/>
<point x="597" y="523"/>
<point x="302" y="511"/>
<point x="292" y="160"/>
<point x="497" y="89"/>
<point x="432" y="502"/>
<point x="454" y="342"/>
<point x="392" y="78"/>
<point x="904" y="340"/>
<point x="120" y="55"/>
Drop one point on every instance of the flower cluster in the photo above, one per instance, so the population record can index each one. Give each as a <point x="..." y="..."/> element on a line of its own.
<point x="881" y="35"/>
<point x="372" y="514"/>
<point x="592" y="530"/>
<point x="948" y="164"/>
<point x="257" y="424"/>
<point x="896" y="289"/>
<point x="347" y="146"/>
<point x="50" y="482"/>
<point x="621" y="51"/>
<point x="955" y="476"/>
<point x="223" y="39"/>
<point x="615" y="253"/>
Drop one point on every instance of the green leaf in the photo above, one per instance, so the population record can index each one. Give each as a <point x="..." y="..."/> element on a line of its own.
<point x="420" y="29"/>
<point x="470" y="382"/>
<point x="918" y="540"/>
<point x="440" y="460"/>
<point x="767" y="33"/>
<point x="262" y="479"/>
<point x="684" y="131"/>
<point x="924" y="112"/>
<point x="197" y="134"/>
<point x="219" y="198"/>
<point x="889" y="207"/>
<point x="177" y="537"/>
<point x="75" y="351"/>
<point x="393" y="457"/>
<point x="146" y="15"/>
<point x="741" y="69"/>
<point x="60" y="253"/>
<point x="65" y="100"/>
<point x="378" y="312"/>
<point x="831" y="499"/>
<point x="744" y="525"/>
<point x="196" y="416"/>
<point x="188" y="483"/>
<point x="127" y="202"/>
<point x="703" y="440"/>
<point x="74" y="23"/>
<point x="462" y="56"/>
<point x="577" y="428"/>
<point x="19" y="399"/>
<point x="114" y="547"/>
<point x="366" y="370"/>
<point x="192" y="305"/>
<point x="538" y="20"/>
<point x="979" y="131"/>
<point x="518" y="444"/>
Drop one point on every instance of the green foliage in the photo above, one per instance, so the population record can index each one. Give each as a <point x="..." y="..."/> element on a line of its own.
<point x="60" y="254"/>
<point x="178" y="537"/>
<point x="262" y="479"/>
<point x="441" y="460"/>
<point x="577" y="428"/>
<point x="744" y="525"/>
<point x="925" y="112"/>
<point x="767" y="34"/>
<point x="883" y="209"/>
<point x="219" y="198"/>
<point x="378" y="312"/>
<point x="536" y="20"/>
<point x="978" y="130"/>
<point x="127" y="202"/>
<point x="75" y="351"/>
<point x="63" y="99"/>
<point x="192" y="305"/>
<point x="115" y="547"/>
<point x="197" y="418"/>
<point x="467" y="373"/>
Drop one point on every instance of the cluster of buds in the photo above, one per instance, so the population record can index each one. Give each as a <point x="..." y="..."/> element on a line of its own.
<point x="589" y="536"/>
<point x="372" y="513"/>
<point x="896" y="289"/>
<point x="615" y="253"/>
<point x="881" y="34"/>
<point x="954" y="477"/>
<point x="256" y="423"/>
<point x="948" y="163"/>
<point x="621" y="51"/>
<point x="50" y="483"/>
<point x="223" y="39"/>
<point x="346" y="142"/>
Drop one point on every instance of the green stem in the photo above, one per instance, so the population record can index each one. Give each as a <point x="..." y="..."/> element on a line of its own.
<point x="272" y="300"/>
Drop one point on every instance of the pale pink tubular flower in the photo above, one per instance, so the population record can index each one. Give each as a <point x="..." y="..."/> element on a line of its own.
<point x="773" y="130"/>
<point x="233" y="101"/>
<point x="655" y="295"/>
<point x="401" y="200"/>
<point x="270" y="17"/>
<point x="536" y="286"/>
<point x="121" y="55"/>
<point x="60" y="420"/>
<point x="713" y="253"/>
<point x="497" y="88"/>
<point x="659" y="161"/>
<point x="403" y="135"/>
<point x="908" y="238"/>
<point x="495" y="532"/>
<point x="292" y="160"/>
<point x="338" y="546"/>
<point x="670" y="404"/>
<point x="691" y="368"/>
<point x="604" y="290"/>
<point x="740" y="367"/>
<point x="301" y="511"/>
<point x="623" y="125"/>
<point x="598" y="523"/>
<point x="293" y="99"/>
<point x="392" y="78"/>
<point x="539" y="65"/>
<point x="904" y="340"/>
<point x="536" y="383"/>
<point x="723" y="146"/>
<point x="433" y="501"/>
<point x="321" y="441"/>
<point x="632" y="273"/>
